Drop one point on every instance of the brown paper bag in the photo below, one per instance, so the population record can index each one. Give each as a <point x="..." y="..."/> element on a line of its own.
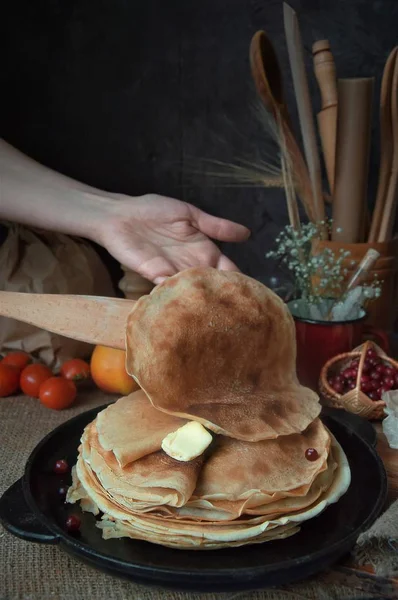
<point x="49" y="263"/>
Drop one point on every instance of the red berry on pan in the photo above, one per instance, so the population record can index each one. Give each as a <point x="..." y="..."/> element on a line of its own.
<point x="61" y="467"/>
<point x="311" y="454"/>
<point x="62" y="491"/>
<point x="73" y="523"/>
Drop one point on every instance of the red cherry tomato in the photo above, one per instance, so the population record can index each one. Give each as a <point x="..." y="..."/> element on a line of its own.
<point x="32" y="377"/>
<point x="75" y="369"/>
<point x="9" y="380"/>
<point x="57" y="393"/>
<point x="17" y="359"/>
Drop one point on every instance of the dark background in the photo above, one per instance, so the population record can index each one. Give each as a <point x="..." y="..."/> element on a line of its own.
<point x="131" y="95"/>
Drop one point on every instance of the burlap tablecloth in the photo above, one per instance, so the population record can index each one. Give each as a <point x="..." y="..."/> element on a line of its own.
<point x="31" y="571"/>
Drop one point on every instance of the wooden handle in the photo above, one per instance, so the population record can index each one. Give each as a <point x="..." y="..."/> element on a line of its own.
<point x="386" y="144"/>
<point x="390" y="207"/>
<point x="352" y="158"/>
<point x="91" y="319"/>
<point x="300" y="83"/>
<point x="325" y="72"/>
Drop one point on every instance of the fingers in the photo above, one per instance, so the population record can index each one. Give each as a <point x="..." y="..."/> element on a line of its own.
<point x="224" y="264"/>
<point x="156" y="269"/>
<point x="219" y="229"/>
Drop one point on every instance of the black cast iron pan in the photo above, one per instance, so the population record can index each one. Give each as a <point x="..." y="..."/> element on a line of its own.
<point x="33" y="510"/>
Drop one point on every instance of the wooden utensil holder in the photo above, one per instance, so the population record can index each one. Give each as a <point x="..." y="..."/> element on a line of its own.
<point x="383" y="311"/>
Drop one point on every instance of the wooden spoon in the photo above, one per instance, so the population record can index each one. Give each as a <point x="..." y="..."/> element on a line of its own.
<point x="386" y="142"/>
<point x="268" y="81"/>
<point x="92" y="319"/>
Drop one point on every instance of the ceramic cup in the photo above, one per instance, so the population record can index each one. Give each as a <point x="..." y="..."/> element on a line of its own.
<point x="318" y="341"/>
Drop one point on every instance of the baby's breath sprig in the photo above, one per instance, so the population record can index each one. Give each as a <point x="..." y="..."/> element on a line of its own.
<point x="315" y="276"/>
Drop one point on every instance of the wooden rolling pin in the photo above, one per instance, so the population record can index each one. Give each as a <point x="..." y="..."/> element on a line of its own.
<point x="352" y="158"/>
<point x="325" y="72"/>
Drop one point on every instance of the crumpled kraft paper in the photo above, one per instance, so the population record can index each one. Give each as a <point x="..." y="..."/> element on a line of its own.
<point x="47" y="263"/>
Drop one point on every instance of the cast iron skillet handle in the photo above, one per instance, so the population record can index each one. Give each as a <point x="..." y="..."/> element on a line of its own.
<point x="363" y="428"/>
<point x="18" y="519"/>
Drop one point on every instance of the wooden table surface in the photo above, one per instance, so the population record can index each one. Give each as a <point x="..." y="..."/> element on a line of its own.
<point x="362" y="578"/>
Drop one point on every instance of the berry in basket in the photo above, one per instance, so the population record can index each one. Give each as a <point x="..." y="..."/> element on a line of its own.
<point x="357" y="380"/>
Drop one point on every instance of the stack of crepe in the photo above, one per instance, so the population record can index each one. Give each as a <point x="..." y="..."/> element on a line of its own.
<point x="217" y="348"/>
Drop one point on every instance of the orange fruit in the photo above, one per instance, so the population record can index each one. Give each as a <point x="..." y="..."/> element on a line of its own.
<point x="108" y="371"/>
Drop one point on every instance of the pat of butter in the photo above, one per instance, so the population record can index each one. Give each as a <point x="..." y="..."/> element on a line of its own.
<point x="188" y="442"/>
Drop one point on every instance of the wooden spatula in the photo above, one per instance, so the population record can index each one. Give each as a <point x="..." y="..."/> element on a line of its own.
<point x="92" y="319"/>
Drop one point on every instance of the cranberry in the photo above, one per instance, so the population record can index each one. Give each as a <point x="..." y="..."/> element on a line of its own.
<point x="389" y="382"/>
<point x="73" y="523"/>
<point x="338" y="386"/>
<point x="371" y="352"/>
<point x="349" y="373"/>
<point x="380" y="369"/>
<point x="374" y="361"/>
<point x="390" y="372"/>
<point x="365" y="378"/>
<point x="374" y="384"/>
<point x="354" y="363"/>
<point x="339" y="378"/>
<point x="62" y="491"/>
<point x="382" y="389"/>
<point x="366" y="386"/>
<point x="311" y="454"/>
<point x="366" y="366"/>
<point x="61" y="467"/>
<point x="352" y="385"/>
<point x="373" y="395"/>
<point x="375" y="375"/>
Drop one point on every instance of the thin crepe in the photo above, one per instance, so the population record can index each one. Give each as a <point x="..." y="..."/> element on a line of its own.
<point x="154" y="479"/>
<point x="132" y="428"/>
<point x="225" y="355"/>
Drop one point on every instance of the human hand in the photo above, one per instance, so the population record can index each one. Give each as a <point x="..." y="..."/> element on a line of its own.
<point x="157" y="236"/>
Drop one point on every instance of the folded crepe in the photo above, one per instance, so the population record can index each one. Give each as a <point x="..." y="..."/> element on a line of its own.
<point x="132" y="427"/>
<point x="219" y="348"/>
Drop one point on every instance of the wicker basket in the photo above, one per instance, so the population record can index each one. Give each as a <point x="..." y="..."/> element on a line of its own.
<point x="354" y="401"/>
